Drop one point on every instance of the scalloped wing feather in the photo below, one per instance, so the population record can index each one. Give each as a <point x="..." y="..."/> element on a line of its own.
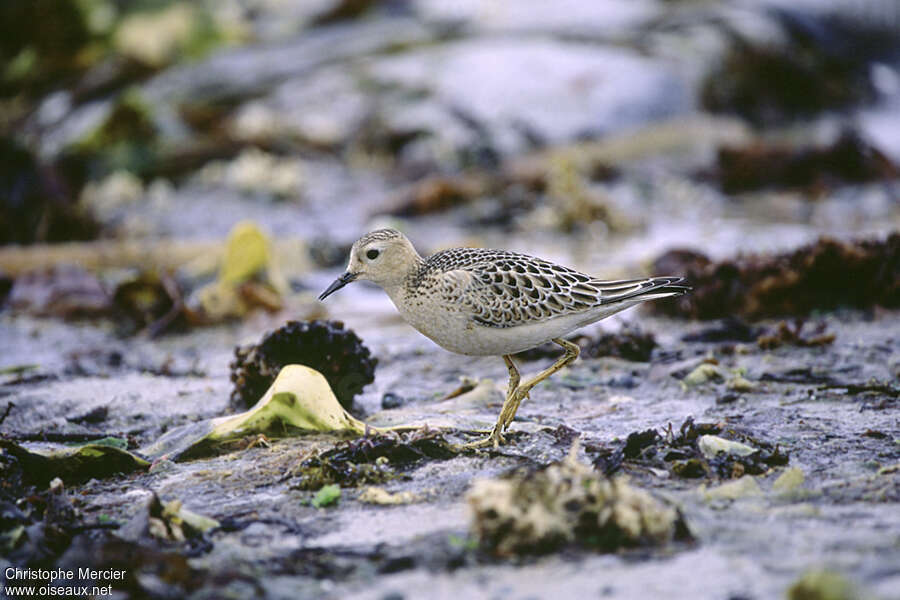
<point x="506" y="289"/>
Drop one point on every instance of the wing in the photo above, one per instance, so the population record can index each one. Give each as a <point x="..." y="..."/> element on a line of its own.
<point x="505" y="289"/>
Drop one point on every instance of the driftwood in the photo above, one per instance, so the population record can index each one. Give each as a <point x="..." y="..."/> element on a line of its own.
<point x="166" y="255"/>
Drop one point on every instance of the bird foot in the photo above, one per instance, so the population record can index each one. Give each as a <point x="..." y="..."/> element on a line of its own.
<point x="493" y="440"/>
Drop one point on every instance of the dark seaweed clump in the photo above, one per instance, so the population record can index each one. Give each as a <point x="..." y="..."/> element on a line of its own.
<point x="825" y="275"/>
<point x="370" y="460"/>
<point x="325" y="346"/>
<point x="785" y="333"/>
<point x="679" y="453"/>
<point x="850" y="159"/>
<point x="37" y="528"/>
<point x="12" y="480"/>
<point x="39" y="470"/>
<point x="631" y="343"/>
<point x="45" y="530"/>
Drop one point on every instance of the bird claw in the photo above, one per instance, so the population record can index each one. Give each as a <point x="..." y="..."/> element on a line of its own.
<point x="494" y="439"/>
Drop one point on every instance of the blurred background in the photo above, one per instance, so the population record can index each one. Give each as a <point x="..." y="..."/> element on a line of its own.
<point x="138" y="134"/>
<point x="177" y="178"/>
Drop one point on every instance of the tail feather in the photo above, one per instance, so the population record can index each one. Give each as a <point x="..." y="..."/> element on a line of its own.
<point x="639" y="290"/>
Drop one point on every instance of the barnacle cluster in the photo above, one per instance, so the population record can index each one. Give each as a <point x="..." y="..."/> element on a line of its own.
<point x="325" y="346"/>
<point x="567" y="502"/>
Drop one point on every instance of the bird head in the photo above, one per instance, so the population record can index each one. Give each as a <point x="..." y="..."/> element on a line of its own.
<point x="383" y="257"/>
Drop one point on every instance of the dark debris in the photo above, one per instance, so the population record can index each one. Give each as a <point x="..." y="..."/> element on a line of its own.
<point x="850" y="159"/>
<point x="40" y="470"/>
<point x="325" y="346"/>
<point x="813" y="277"/>
<point x="153" y="302"/>
<point x="826" y="381"/>
<point x="149" y="572"/>
<point x="434" y="553"/>
<point x="729" y="329"/>
<point x="793" y="335"/>
<point x="36" y="527"/>
<point x="679" y="453"/>
<point x="372" y="459"/>
<point x="630" y="343"/>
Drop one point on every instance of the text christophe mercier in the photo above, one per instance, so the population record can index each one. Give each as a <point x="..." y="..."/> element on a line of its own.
<point x="14" y="574"/>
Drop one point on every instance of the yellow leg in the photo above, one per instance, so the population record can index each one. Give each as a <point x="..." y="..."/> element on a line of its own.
<point x="509" y="404"/>
<point x="517" y="392"/>
<point x="514" y="376"/>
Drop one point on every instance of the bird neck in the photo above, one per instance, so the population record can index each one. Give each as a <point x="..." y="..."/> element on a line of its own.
<point x="398" y="286"/>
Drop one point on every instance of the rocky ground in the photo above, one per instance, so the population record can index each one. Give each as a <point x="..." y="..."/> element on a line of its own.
<point x="820" y="406"/>
<point x="601" y="135"/>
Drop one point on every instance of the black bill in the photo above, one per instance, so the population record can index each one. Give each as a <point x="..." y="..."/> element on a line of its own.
<point x="338" y="284"/>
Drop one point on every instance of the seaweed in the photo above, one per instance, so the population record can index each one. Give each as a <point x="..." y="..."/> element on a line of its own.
<point x="127" y="139"/>
<point x="96" y="459"/>
<point x="149" y="572"/>
<point x="793" y="335"/>
<point x="679" y="452"/>
<point x="822" y="585"/>
<point x="169" y="524"/>
<point x="328" y="495"/>
<point x="823" y="381"/>
<point x="147" y="300"/>
<point x="37" y="528"/>
<point x="437" y="194"/>
<point x="372" y="459"/>
<point x="813" y="277"/>
<point x="630" y="343"/>
<point x="434" y="553"/>
<point x="14" y="483"/>
<point x="849" y="159"/>
<point x="325" y="346"/>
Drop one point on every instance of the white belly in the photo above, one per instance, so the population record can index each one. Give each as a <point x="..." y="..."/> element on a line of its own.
<point x="457" y="332"/>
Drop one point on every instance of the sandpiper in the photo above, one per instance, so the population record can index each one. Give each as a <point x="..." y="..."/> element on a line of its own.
<point x="483" y="302"/>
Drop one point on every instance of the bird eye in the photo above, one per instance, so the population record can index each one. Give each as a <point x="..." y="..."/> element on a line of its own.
<point x="372" y="254"/>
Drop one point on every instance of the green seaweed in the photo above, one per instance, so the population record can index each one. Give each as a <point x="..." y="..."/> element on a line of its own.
<point x="327" y="495"/>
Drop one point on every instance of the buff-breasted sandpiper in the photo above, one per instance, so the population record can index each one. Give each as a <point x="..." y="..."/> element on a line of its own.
<point x="483" y="302"/>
